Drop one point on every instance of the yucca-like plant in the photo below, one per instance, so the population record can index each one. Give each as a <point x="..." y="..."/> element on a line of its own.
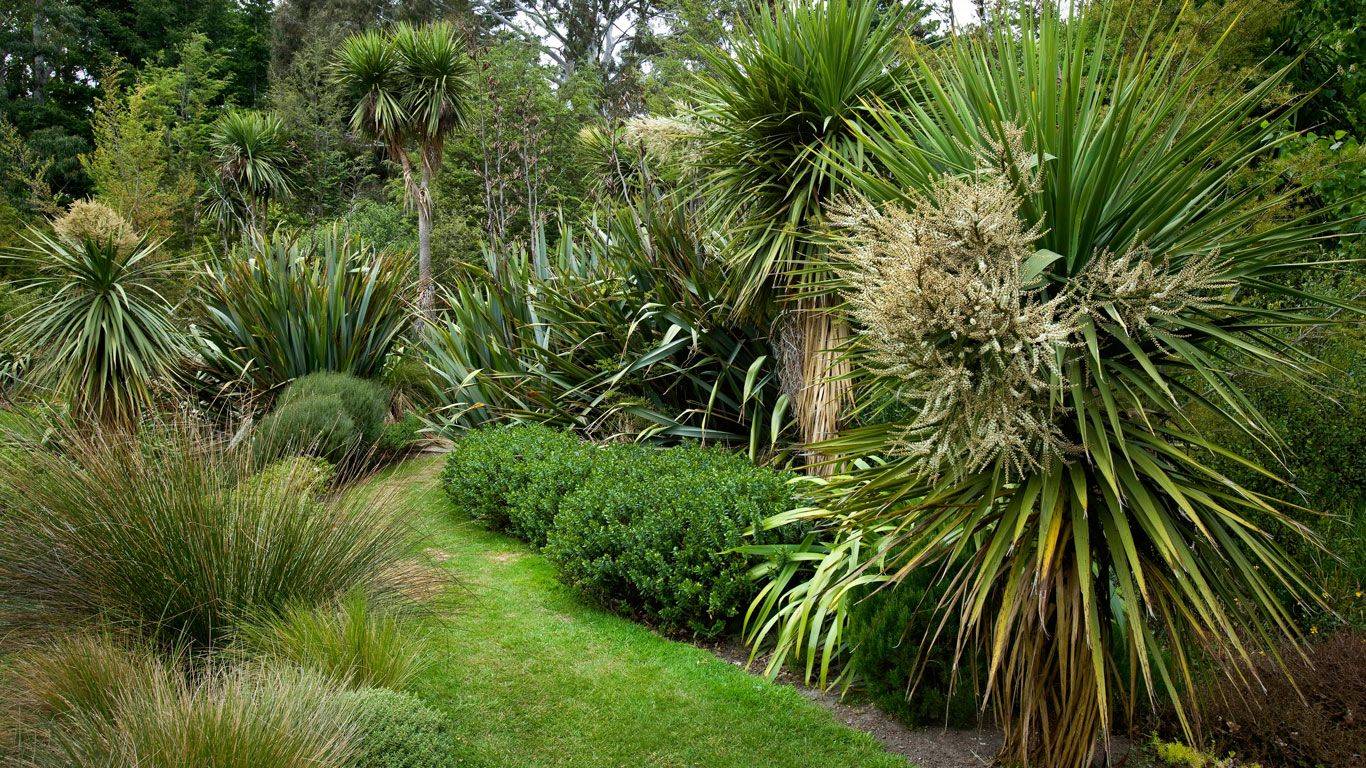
<point x="1053" y="272"/>
<point x="253" y="156"/>
<point x="410" y="88"/>
<point x="104" y="336"/>
<point x="785" y="105"/>
<point x="295" y="304"/>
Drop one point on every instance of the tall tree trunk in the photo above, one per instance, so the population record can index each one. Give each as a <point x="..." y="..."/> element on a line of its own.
<point x="39" y="45"/>
<point x="426" y="289"/>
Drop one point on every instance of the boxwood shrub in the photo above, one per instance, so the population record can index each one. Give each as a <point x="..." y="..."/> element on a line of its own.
<point x="653" y="533"/>
<point x="512" y="478"/>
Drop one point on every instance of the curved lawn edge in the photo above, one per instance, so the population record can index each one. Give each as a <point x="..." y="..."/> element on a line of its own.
<point x="534" y="676"/>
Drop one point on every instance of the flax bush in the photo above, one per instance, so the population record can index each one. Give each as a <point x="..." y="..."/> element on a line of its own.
<point x="289" y="304"/>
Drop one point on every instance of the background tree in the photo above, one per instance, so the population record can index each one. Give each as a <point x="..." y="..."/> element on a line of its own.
<point x="54" y="50"/>
<point x="410" y="90"/>
<point x="335" y="168"/>
<point x="131" y="167"/>
<point x="253" y="159"/>
<point x="780" y="107"/>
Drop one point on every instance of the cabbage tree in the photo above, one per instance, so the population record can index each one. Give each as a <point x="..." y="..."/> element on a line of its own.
<point x="410" y="90"/>
<point x="1053" y="271"/>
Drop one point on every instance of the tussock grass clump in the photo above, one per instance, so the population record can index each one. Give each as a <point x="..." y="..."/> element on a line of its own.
<point x="351" y="643"/>
<point x="98" y="700"/>
<point x="160" y="535"/>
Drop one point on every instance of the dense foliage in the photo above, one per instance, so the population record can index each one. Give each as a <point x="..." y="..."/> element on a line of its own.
<point x="651" y="532"/>
<point x="158" y="535"/>
<point x="1062" y="309"/>
<point x="624" y="330"/>
<point x="396" y="730"/>
<point x="350" y="642"/>
<point x="513" y="478"/>
<point x="296" y="304"/>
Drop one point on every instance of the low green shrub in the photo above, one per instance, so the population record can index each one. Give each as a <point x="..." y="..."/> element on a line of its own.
<point x="334" y="416"/>
<point x="653" y="532"/>
<point x="889" y="631"/>
<point x="316" y="427"/>
<point x="558" y="466"/>
<point x="399" y="438"/>
<point x="160" y="535"/>
<point x="511" y="478"/>
<point x="1178" y="755"/>
<point x="365" y="402"/>
<point x="397" y="730"/>
<point x="351" y="643"/>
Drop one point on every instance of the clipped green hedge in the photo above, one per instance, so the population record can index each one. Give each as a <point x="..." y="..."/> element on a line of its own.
<point x="511" y="478"/>
<point x="650" y="532"/>
<point x="654" y="533"/>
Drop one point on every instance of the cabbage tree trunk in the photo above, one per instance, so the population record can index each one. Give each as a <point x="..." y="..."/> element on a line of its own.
<point x="814" y="374"/>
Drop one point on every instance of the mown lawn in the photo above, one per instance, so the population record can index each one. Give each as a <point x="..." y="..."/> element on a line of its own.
<point x="535" y="677"/>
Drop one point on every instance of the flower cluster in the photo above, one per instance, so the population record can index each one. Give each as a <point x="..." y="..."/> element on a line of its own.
<point x="91" y="220"/>
<point x="663" y="139"/>
<point x="940" y="293"/>
<point x="1136" y="289"/>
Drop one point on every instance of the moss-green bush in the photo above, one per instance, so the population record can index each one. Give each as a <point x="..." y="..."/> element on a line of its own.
<point x="528" y="467"/>
<point x="317" y="427"/>
<point x="399" y="438"/>
<point x="889" y="630"/>
<point x="365" y="402"/>
<point x="398" y="731"/>
<point x="653" y="533"/>
<point x="335" y="416"/>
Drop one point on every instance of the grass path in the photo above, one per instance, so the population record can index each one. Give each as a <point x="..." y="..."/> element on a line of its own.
<point x="534" y="677"/>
